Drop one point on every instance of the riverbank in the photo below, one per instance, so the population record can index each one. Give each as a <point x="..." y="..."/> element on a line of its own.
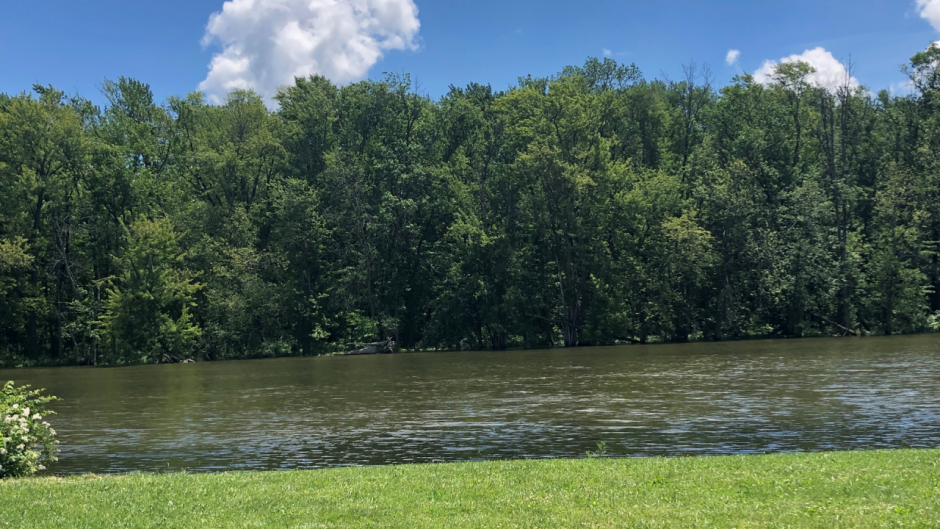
<point x="847" y="489"/>
<point x="336" y="350"/>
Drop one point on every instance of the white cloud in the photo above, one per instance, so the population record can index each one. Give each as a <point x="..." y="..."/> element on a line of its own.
<point x="929" y="10"/>
<point x="266" y="43"/>
<point x="830" y="72"/>
<point x="607" y="53"/>
<point x="732" y="57"/>
<point x="902" y="88"/>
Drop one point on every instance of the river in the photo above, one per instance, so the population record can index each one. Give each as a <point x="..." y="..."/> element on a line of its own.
<point x="653" y="400"/>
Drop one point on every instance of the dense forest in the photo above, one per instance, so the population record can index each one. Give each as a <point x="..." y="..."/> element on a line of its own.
<point x="593" y="207"/>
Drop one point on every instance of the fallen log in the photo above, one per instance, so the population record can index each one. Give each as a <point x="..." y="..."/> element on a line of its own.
<point x="376" y="348"/>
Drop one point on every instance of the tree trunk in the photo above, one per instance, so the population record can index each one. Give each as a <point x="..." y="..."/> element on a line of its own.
<point x="58" y="318"/>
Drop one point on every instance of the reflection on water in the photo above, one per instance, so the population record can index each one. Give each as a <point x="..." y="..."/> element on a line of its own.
<point x="744" y="397"/>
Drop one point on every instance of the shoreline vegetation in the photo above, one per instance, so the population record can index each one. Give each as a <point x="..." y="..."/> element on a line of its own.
<point x="593" y="207"/>
<point x="393" y="348"/>
<point x="898" y="488"/>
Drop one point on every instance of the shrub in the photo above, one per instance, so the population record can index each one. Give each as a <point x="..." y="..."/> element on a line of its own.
<point x="27" y="443"/>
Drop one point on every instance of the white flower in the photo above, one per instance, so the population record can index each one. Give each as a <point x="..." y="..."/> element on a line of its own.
<point x="37" y="417"/>
<point x="51" y="431"/>
<point x="3" y="451"/>
<point x="15" y="406"/>
<point x="20" y="447"/>
<point x="25" y="430"/>
<point x="7" y="420"/>
<point x="40" y="467"/>
<point x="25" y="439"/>
<point x="25" y="412"/>
<point x="44" y="423"/>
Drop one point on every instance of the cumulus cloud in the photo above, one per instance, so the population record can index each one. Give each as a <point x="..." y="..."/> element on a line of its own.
<point x="929" y="10"/>
<point x="266" y="43"/>
<point x="732" y="57"/>
<point x="830" y="72"/>
<point x="607" y="53"/>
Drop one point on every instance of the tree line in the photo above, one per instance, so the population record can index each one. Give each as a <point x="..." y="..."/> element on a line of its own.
<point x="592" y="207"/>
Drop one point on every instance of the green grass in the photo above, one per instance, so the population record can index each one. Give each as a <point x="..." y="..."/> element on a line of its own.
<point x="853" y="489"/>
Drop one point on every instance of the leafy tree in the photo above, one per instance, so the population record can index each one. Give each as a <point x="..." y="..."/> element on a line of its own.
<point x="148" y="313"/>
<point x="42" y="155"/>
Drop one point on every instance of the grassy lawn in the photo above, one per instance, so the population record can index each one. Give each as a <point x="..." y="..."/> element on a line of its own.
<point x="855" y="489"/>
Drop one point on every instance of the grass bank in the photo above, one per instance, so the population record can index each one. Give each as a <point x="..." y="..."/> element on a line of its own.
<point x="854" y="489"/>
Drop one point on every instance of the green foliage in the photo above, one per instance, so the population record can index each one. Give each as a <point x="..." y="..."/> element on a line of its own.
<point x="592" y="207"/>
<point x="14" y="268"/>
<point x="147" y="314"/>
<point x="600" y="452"/>
<point x="27" y="442"/>
<point x="923" y="70"/>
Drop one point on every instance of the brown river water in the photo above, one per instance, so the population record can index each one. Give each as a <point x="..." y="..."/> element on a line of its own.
<point x="655" y="400"/>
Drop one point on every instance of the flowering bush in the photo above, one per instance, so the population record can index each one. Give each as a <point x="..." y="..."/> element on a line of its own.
<point x="27" y="442"/>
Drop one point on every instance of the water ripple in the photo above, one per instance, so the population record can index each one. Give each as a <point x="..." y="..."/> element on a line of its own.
<point x="693" y="399"/>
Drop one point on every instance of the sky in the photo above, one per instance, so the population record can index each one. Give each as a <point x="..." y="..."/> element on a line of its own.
<point x="179" y="46"/>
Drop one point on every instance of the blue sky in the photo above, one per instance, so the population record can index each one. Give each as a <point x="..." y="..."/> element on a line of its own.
<point x="74" y="45"/>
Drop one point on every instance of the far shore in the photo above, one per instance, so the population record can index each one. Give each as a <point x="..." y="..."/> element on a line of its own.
<point x="336" y="353"/>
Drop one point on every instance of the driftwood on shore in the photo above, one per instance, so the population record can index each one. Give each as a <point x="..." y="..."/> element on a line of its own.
<point x="376" y="348"/>
<point x="170" y="359"/>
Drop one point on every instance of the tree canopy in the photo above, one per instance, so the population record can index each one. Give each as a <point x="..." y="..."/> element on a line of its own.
<point x="592" y="207"/>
